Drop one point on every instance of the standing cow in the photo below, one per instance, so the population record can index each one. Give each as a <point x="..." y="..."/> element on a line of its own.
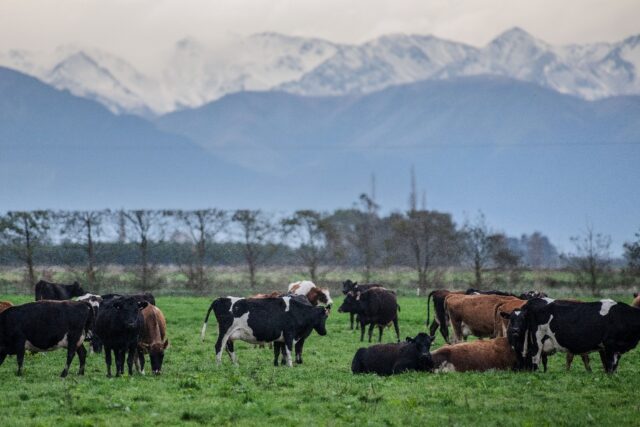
<point x="46" y="326"/>
<point x="153" y="338"/>
<point x="256" y="321"/>
<point x="119" y="326"/>
<point x="57" y="292"/>
<point x="473" y="314"/>
<point x="375" y="307"/>
<point x="354" y="287"/>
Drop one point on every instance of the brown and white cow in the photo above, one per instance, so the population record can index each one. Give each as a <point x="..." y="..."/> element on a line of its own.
<point x="153" y="338"/>
<point x="4" y="305"/>
<point x="314" y="294"/>
<point x="481" y="355"/>
<point x="473" y="314"/>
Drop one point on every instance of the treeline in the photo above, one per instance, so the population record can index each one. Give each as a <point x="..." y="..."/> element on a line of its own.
<point x="428" y="241"/>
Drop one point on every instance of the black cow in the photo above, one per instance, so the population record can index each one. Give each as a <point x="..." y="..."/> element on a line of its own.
<point x="57" y="292"/>
<point x="46" y="326"/>
<point x="389" y="359"/>
<point x="349" y="286"/>
<point x="119" y="326"/>
<point x="376" y="306"/>
<point x="146" y="296"/>
<point x="609" y="327"/>
<point x="256" y="321"/>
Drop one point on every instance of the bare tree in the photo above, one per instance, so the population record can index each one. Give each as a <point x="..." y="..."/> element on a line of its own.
<point x="202" y="226"/>
<point x="431" y="240"/>
<point x="257" y="230"/>
<point x="632" y="256"/>
<point x="505" y="259"/>
<point x="478" y="246"/>
<point x="23" y="232"/>
<point x="365" y="241"/>
<point x="145" y="225"/>
<point x="84" y="227"/>
<point x="591" y="261"/>
<point x="311" y="231"/>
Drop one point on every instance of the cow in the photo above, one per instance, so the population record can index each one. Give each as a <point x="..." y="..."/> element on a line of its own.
<point x="480" y="355"/>
<point x="441" y="319"/>
<point x="389" y="359"/>
<point x="46" y="326"/>
<point x="279" y="320"/>
<point x="145" y="296"/>
<point x="119" y="326"/>
<point x="376" y="306"/>
<point x="523" y="296"/>
<point x="636" y="300"/>
<point x="314" y="294"/>
<point x="502" y="315"/>
<point x="473" y="314"/>
<point x="609" y="327"/>
<point x="153" y="339"/>
<point x="4" y="305"/>
<point x="349" y="286"/>
<point x="57" y="291"/>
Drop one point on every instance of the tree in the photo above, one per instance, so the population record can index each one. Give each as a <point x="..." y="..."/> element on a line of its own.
<point x="202" y="227"/>
<point x="256" y="230"/>
<point x="85" y="227"/>
<point x="478" y="246"/>
<point x="365" y="241"/>
<point x="632" y="256"/>
<point x="591" y="261"/>
<point x="504" y="258"/>
<point x="430" y="240"/>
<point x="311" y="231"/>
<point x="23" y="233"/>
<point x="144" y="225"/>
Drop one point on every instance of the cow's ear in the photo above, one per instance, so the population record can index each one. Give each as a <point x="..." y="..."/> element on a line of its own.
<point x="165" y="344"/>
<point x="505" y="315"/>
<point x="409" y="339"/>
<point x="142" y="304"/>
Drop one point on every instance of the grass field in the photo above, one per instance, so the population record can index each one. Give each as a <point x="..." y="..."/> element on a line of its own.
<point x="322" y="391"/>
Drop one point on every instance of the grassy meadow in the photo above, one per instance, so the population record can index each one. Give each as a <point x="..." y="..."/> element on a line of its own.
<point x="322" y="391"/>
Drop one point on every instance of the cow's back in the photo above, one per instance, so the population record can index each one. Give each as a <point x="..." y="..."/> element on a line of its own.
<point x="476" y="311"/>
<point x="381" y="304"/>
<point x="480" y="355"/>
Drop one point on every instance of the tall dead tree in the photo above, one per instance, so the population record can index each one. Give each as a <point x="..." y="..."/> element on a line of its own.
<point x="23" y="232"/>
<point x="478" y="246"/>
<point x="256" y="231"/>
<point x="591" y="261"/>
<point x="365" y="235"/>
<point x="143" y="226"/>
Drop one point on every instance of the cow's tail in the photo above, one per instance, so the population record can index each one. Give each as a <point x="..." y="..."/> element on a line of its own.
<point x="206" y="320"/>
<point x="429" y="307"/>
<point x="398" y="305"/>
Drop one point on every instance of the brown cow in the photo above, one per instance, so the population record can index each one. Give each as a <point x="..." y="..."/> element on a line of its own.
<point x="4" y="305"/>
<point x="480" y="355"/>
<point x="473" y="314"/>
<point x="153" y="338"/>
<point x="636" y="300"/>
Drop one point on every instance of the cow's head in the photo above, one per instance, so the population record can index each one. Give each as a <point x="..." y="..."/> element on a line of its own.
<point x="320" y="315"/>
<point x="347" y="286"/>
<point x="156" y="355"/>
<point x="351" y="303"/>
<point x="127" y="311"/>
<point x="76" y="290"/>
<point x="423" y="342"/>
<point x="517" y="336"/>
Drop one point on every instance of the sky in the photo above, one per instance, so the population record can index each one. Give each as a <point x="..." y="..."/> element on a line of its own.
<point x="140" y="30"/>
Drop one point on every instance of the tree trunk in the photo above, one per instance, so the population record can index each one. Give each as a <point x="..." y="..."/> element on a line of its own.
<point x="29" y="253"/>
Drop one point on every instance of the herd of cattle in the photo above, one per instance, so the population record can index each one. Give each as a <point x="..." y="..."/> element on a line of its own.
<point x="517" y="332"/>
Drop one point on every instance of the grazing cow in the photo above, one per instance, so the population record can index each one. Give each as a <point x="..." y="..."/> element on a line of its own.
<point x="389" y="359"/>
<point x="314" y="294"/>
<point x="481" y="355"/>
<point x="119" y="326"/>
<point x="441" y="319"/>
<point x="473" y="314"/>
<point x="376" y="306"/>
<point x="146" y="296"/>
<point x="56" y="291"/>
<point x="610" y="327"/>
<point x="636" y="300"/>
<point x="46" y="326"/>
<point x="153" y="339"/>
<point x="4" y="305"/>
<point x="349" y="286"/>
<point x="278" y="320"/>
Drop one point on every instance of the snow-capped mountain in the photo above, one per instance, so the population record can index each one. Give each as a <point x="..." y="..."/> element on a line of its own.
<point x="195" y="74"/>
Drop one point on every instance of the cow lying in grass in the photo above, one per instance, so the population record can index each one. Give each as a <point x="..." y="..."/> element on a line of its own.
<point x="389" y="359"/>
<point x="481" y="355"/>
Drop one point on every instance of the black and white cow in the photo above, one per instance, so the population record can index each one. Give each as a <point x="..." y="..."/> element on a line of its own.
<point x="46" y="326"/>
<point x="279" y="320"/>
<point x="609" y="327"/>
<point x="57" y="291"/>
<point x="119" y="325"/>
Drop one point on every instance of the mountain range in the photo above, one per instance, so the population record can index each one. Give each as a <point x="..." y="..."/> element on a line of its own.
<point x="195" y="74"/>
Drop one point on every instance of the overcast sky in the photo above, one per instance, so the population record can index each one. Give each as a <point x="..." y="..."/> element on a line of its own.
<point x="140" y="29"/>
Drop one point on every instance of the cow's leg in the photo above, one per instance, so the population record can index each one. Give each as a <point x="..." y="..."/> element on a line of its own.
<point x="380" y="327"/>
<point x="570" y="357"/>
<point x="586" y="362"/>
<point x="276" y="353"/>
<point x="288" y="347"/>
<point x="220" y="344"/>
<point x="20" y="357"/>
<point x="371" y="325"/>
<point x="120" y="357"/>
<point x="107" y="359"/>
<point x="397" y="328"/>
<point x="141" y="361"/>
<point x="544" y="361"/>
<point x="362" y="325"/>
<point x="299" y="346"/>
<point x="82" y="357"/>
<point x="434" y="327"/>
<point x="231" y="353"/>
<point x="351" y="316"/>
<point x="130" y="357"/>
<point x="457" y="331"/>
<point x="71" y="352"/>
<point x="3" y="356"/>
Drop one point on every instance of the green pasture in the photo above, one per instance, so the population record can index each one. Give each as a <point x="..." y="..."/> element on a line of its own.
<point x="322" y="391"/>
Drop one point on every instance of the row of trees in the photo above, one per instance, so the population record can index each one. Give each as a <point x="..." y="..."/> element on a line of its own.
<point x="428" y="241"/>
